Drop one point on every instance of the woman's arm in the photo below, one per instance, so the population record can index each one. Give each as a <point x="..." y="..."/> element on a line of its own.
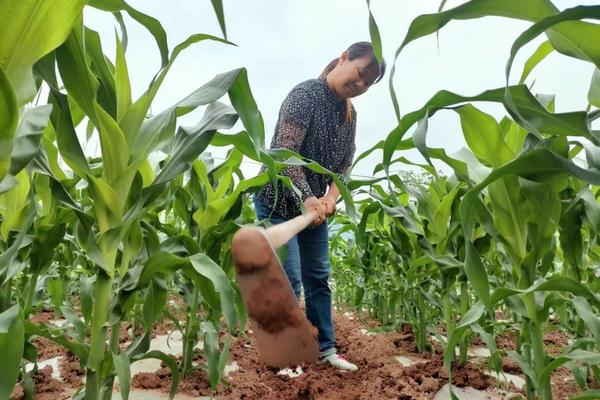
<point x="291" y="136"/>
<point x="330" y="198"/>
<point x="294" y="118"/>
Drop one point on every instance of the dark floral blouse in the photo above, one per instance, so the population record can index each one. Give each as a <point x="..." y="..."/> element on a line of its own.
<point x="312" y="123"/>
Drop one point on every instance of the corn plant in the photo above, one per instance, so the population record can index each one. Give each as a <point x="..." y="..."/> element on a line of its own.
<point x="523" y="199"/>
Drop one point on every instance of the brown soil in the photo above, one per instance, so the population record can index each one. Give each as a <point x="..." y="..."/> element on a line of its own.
<point x="510" y="366"/>
<point x="70" y="370"/>
<point x="46" y="387"/>
<point x="555" y="340"/>
<point x="47" y="348"/>
<point x="506" y="341"/>
<point x="379" y="376"/>
<point x="42" y="316"/>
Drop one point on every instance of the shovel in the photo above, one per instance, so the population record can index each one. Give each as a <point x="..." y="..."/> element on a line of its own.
<point x="284" y="336"/>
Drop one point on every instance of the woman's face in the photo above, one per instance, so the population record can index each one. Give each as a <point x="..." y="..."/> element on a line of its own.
<point x="351" y="78"/>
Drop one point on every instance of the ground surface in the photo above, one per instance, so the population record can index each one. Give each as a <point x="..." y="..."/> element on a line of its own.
<point x="389" y="368"/>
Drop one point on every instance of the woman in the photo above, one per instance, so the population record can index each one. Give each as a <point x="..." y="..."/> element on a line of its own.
<point x="318" y="121"/>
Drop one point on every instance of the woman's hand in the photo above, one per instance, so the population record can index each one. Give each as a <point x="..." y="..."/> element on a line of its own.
<point x="314" y="204"/>
<point x="329" y="204"/>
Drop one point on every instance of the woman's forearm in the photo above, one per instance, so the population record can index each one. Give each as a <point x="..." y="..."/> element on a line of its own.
<point x="333" y="191"/>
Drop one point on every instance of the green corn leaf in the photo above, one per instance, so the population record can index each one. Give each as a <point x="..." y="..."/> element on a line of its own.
<point x="577" y="46"/>
<point x="586" y="357"/>
<point x="375" y="36"/>
<point x="12" y="339"/>
<point x="470" y="318"/>
<point x="587" y="395"/>
<point x="211" y="351"/>
<point x="189" y="143"/>
<point x="538" y="56"/>
<point x="32" y="29"/>
<point x="483" y="136"/>
<point x="14" y="204"/>
<point x="528" y="106"/>
<point x="586" y="313"/>
<point x="68" y="144"/>
<point x="9" y="116"/>
<point x="103" y="70"/>
<point x="123" y="368"/>
<point x="122" y="84"/>
<point x="155" y="132"/>
<point x="594" y="91"/>
<point x="115" y="151"/>
<point x="151" y="24"/>
<point x="209" y="269"/>
<point x="572" y="39"/>
<point x="154" y="302"/>
<point x="218" y="7"/>
<point x="245" y="105"/>
<point x="132" y="120"/>
<point x="562" y="283"/>
<point x="74" y="70"/>
<point x="28" y="137"/>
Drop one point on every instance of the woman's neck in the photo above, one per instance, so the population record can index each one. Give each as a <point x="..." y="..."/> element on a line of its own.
<point x="329" y="81"/>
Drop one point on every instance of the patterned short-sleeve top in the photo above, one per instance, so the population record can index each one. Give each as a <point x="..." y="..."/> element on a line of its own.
<point x="312" y="122"/>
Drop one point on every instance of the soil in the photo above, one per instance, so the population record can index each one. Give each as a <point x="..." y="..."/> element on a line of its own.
<point x="70" y="370"/>
<point x="379" y="376"/>
<point x="46" y="387"/>
<point x="47" y="348"/>
<point x="43" y="316"/>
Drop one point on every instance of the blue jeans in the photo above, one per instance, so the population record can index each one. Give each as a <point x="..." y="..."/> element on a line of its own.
<point x="307" y="265"/>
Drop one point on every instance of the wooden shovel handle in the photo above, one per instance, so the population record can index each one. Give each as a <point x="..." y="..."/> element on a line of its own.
<point x="280" y="234"/>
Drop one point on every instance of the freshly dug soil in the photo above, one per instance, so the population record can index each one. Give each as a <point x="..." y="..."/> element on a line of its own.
<point x="43" y="316"/>
<point x="46" y="387"/>
<point x="47" y="348"/>
<point x="379" y="376"/>
<point x="70" y="371"/>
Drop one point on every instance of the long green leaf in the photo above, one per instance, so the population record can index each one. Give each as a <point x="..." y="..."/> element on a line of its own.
<point x="210" y="270"/>
<point x="578" y="44"/>
<point x="28" y="137"/>
<point x="31" y="29"/>
<point x="375" y="36"/>
<point x="540" y="53"/>
<point x="218" y="7"/>
<point x="151" y="24"/>
<point x="9" y="115"/>
<point x="12" y="340"/>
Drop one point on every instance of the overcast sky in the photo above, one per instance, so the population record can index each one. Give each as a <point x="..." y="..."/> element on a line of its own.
<point x="282" y="43"/>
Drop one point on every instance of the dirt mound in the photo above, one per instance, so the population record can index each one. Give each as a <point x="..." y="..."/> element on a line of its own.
<point x="45" y="387"/>
<point x="379" y="376"/>
<point x="70" y="370"/>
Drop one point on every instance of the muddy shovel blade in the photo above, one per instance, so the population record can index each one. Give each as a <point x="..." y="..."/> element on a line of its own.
<point x="283" y="335"/>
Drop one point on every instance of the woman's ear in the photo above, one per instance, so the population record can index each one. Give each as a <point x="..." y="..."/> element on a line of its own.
<point x="343" y="57"/>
